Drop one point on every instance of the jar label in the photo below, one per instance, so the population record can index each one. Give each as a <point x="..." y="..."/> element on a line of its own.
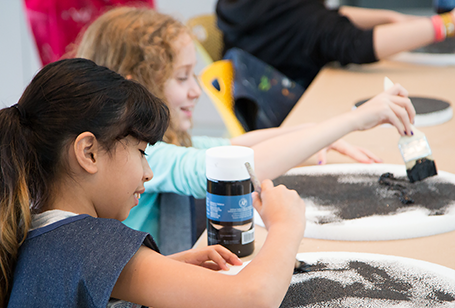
<point x="229" y="208"/>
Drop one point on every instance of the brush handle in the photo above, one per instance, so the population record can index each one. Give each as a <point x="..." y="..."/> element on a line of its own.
<point x="387" y="83"/>
<point x="254" y="179"/>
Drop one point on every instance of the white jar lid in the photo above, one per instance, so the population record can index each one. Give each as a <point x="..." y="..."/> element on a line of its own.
<point x="227" y="163"/>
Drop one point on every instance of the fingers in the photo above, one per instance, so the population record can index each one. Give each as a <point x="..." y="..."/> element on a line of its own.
<point x="211" y="266"/>
<point x="219" y="257"/>
<point x="389" y="107"/>
<point x="357" y="153"/>
<point x="400" y="120"/>
<point x="266" y="185"/>
<point x="322" y="156"/>
<point x="360" y="154"/>
<point x="397" y="89"/>
<point x="214" y="256"/>
<point x="405" y="102"/>
<point x="374" y="158"/>
<point x="400" y="97"/>
<point x="227" y="255"/>
<point x="257" y="202"/>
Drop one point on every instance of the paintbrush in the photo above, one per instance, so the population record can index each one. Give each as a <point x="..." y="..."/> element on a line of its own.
<point x="299" y="266"/>
<point x="416" y="151"/>
<point x="254" y="179"/>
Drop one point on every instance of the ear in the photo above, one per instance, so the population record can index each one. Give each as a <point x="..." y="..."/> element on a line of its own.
<point x="86" y="150"/>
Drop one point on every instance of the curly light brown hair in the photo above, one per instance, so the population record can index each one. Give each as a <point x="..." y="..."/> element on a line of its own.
<point x="138" y="44"/>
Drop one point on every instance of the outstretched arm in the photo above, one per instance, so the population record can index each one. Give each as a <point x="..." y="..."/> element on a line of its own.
<point x="390" y="39"/>
<point x="277" y="155"/>
<point x="393" y="32"/>
<point x="365" y="18"/>
<point x="253" y="138"/>
<point x="256" y="136"/>
<point x="154" y="280"/>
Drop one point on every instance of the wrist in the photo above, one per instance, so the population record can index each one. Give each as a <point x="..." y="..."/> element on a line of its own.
<point x="354" y="120"/>
<point x="439" y="28"/>
<point x="292" y="231"/>
<point x="443" y="25"/>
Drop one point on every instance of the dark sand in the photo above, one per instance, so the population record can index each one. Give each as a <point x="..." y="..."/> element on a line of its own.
<point x="351" y="196"/>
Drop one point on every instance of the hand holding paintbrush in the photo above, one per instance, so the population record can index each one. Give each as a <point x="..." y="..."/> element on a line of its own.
<point x="299" y="266"/>
<point x="415" y="151"/>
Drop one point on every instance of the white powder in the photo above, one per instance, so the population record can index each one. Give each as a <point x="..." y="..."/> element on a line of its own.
<point x="382" y="281"/>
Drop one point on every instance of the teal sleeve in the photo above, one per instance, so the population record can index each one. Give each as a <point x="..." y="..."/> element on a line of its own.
<point x="145" y="216"/>
<point x="205" y="142"/>
<point x="175" y="169"/>
<point x="179" y="169"/>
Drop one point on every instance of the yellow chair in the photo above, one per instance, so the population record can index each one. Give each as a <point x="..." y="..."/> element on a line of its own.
<point x="217" y="81"/>
<point x="209" y="38"/>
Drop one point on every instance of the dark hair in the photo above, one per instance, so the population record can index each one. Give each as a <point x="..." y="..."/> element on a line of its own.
<point x="65" y="99"/>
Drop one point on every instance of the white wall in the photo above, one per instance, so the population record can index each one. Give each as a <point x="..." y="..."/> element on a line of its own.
<point x="19" y="60"/>
<point x="18" y="57"/>
<point x="184" y="9"/>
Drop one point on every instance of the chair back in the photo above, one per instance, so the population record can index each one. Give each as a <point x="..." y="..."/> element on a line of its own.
<point x="209" y="38"/>
<point x="217" y="81"/>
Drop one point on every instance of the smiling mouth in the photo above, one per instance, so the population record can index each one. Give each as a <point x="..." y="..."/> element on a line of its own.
<point x="137" y="195"/>
<point x="187" y="109"/>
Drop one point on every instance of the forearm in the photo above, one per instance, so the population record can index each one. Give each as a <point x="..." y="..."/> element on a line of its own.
<point x="277" y="155"/>
<point x="277" y="255"/>
<point x="254" y="137"/>
<point x="393" y="38"/>
<point x="368" y="18"/>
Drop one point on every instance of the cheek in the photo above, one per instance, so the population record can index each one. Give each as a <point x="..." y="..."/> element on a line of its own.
<point x="173" y="101"/>
<point x="172" y="94"/>
<point x="137" y="173"/>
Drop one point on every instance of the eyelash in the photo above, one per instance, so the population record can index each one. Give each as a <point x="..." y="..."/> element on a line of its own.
<point x="187" y="77"/>
<point x="143" y="153"/>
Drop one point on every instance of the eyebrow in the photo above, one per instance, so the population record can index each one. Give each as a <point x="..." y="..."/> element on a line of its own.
<point x="186" y="65"/>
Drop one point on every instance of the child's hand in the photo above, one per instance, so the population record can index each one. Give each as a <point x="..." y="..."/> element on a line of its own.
<point x="360" y="154"/>
<point x="280" y="205"/>
<point x="391" y="106"/>
<point x="212" y="257"/>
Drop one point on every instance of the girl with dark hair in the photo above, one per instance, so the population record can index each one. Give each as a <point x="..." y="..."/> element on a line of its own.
<point x="73" y="165"/>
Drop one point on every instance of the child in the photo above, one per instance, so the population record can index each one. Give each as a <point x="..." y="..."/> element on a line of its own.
<point x="157" y="51"/>
<point x="305" y="35"/>
<point x="73" y="164"/>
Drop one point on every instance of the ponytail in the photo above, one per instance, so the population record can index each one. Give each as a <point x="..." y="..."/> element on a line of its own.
<point x="15" y="216"/>
<point x="64" y="99"/>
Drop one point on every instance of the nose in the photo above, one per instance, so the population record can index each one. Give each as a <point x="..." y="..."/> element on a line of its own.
<point x="195" y="91"/>
<point x="148" y="173"/>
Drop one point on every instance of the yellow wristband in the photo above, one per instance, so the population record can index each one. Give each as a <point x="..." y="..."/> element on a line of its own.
<point x="448" y="24"/>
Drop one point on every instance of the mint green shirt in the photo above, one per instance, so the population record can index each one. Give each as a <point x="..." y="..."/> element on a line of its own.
<point x="175" y="169"/>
